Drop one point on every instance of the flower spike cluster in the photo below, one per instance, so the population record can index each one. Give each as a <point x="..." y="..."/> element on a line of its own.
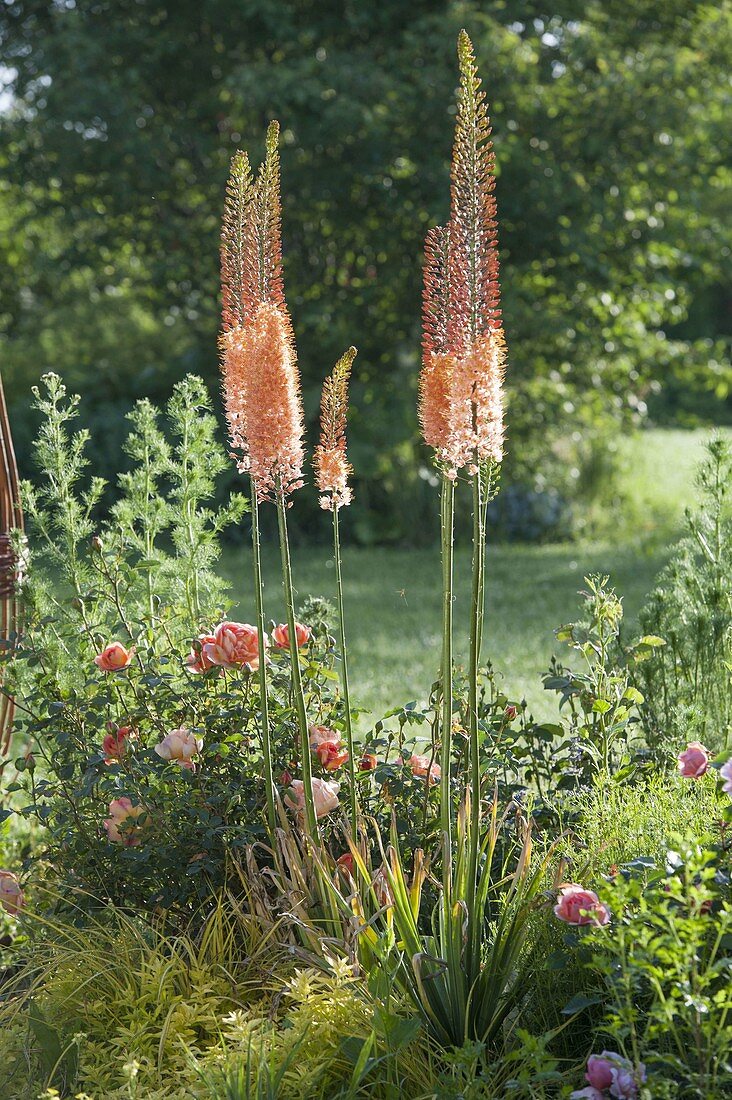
<point x="463" y="348"/>
<point x="260" y="377"/>
<point x="332" y="468"/>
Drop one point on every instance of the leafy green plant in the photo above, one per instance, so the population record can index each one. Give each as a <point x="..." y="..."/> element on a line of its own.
<point x="688" y="683"/>
<point x="332" y="1040"/>
<point x="604" y="704"/>
<point x="666" y="967"/>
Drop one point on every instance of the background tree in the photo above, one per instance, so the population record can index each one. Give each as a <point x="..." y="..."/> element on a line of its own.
<point x="613" y="159"/>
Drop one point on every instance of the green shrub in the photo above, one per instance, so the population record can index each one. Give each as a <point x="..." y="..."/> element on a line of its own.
<point x="616" y="824"/>
<point x="665" y="961"/>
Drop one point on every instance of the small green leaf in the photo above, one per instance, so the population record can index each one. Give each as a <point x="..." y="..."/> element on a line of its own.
<point x="580" y="1002"/>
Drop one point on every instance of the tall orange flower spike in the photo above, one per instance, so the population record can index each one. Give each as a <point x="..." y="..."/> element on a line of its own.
<point x="332" y="468"/>
<point x="260" y="377"/>
<point x="463" y="360"/>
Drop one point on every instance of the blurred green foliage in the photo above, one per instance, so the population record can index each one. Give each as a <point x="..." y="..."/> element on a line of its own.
<point x="121" y="116"/>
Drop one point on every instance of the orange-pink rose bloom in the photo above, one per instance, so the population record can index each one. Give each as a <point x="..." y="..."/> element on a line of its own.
<point x="115" y="743"/>
<point x="424" y="767"/>
<point x="281" y="635"/>
<point x="121" y="824"/>
<point x="693" y="762"/>
<point x="234" y="645"/>
<point x="197" y="661"/>
<point x="575" y="905"/>
<point x="180" y="746"/>
<point x="114" y="657"/>
<point x="11" y="895"/>
<point x="319" y="735"/>
<point x="332" y="755"/>
<point x="325" y="796"/>
<point x="346" y="865"/>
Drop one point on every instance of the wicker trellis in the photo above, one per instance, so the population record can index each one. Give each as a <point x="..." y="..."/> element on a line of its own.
<point x="11" y="518"/>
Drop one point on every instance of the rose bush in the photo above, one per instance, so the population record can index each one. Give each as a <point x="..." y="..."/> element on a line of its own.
<point x="139" y="700"/>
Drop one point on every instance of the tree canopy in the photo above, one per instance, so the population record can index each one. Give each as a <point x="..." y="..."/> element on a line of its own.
<point x="612" y="152"/>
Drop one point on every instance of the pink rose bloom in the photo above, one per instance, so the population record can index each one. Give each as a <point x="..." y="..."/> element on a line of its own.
<point x="576" y="905"/>
<point x="588" y="1093"/>
<point x="612" y="1071"/>
<point x="115" y="743"/>
<point x="325" y="796"/>
<point x="114" y="657"/>
<point x="726" y="773"/>
<point x="11" y="895"/>
<point x="320" y="734"/>
<point x="197" y="661"/>
<point x="693" y="761"/>
<point x="422" y="767"/>
<point x="121" y="824"/>
<point x="332" y="755"/>
<point x="180" y="745"/>
<point x="234" y="645"/>
<point x="281" y="635"/>
<point x="599" y="1071"/>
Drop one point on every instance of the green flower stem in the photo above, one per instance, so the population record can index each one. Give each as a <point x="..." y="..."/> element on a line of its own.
<point x="480" y="495"/>
<point x="447" y="521"/>
<point x="346" y="689"/>
<point x="264" y="702"/>
<point x="297" y="690"/>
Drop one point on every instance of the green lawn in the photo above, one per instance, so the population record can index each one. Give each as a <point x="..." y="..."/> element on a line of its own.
<point x="657" y="478"/>
<point x="393" y="596"/>
<point x="393" y="609"/>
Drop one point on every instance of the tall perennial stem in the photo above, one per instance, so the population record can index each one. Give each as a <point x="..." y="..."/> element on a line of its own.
<point x="344" y="665"/>
<point x="297" y="688"/>
<point x="447" y="522"/>
<point x="477" y="608"/>
<point x="264" y="702"/>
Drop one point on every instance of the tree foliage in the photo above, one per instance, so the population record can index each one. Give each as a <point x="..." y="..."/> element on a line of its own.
<point x="612" y="161"/>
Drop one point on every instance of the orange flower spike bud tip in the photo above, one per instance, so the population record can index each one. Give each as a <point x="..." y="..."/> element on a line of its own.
<point x="332" y="468"/>
<point x="461" y="401"/>
<point x="260" y="377"/>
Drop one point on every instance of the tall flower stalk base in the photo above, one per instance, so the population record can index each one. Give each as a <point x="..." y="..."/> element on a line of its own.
<point x="264" y="701"/>
<point x="353" y="799"/>
<point x="447" y="525"/>
<point x="297" y="688"/>
<point x="481" y="496"/>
